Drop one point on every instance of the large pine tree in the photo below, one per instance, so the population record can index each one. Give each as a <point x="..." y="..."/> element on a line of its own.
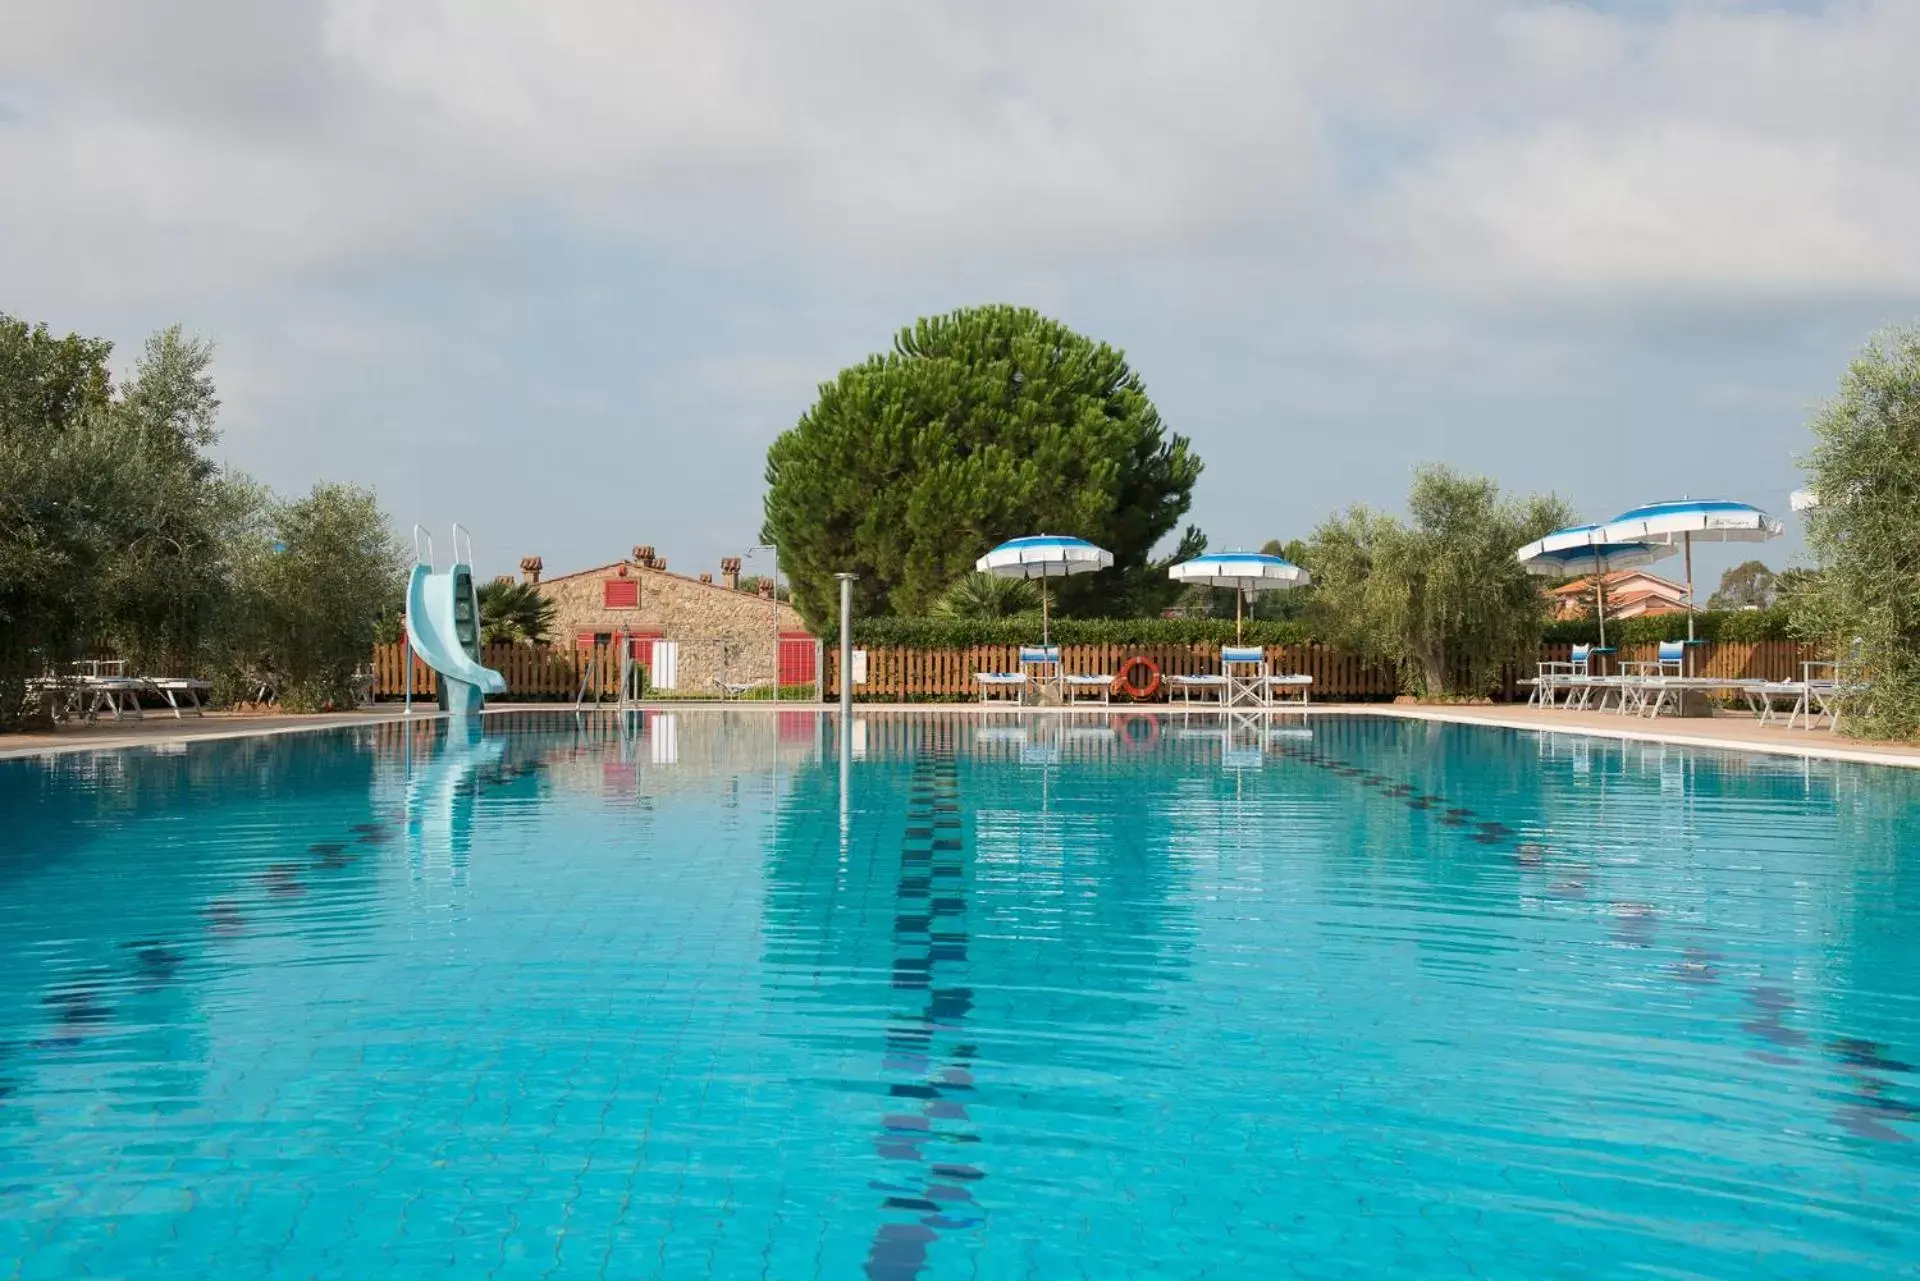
<point x="979" y="426"/>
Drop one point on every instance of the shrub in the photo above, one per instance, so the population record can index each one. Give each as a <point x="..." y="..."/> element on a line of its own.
<point x="958" y="633"/>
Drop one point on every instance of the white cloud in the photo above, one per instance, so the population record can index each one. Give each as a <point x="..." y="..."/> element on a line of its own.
<point x="1721" y="152"/>
<point x="1680" y="209"/>
<point x="1516" y="143"/>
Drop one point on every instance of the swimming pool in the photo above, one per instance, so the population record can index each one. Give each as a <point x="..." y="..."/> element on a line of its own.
<point x="661" y="996"/>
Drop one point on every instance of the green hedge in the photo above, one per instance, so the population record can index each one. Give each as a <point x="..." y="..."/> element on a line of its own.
<point x="951" y="633"/>
<point x="1739" y="625"/>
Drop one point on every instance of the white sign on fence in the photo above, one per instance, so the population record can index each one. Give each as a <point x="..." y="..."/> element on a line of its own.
<point x="859" y="667"/>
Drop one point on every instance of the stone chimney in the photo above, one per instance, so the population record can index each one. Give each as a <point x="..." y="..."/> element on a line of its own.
<point x="706" y="578"/>
<point x="504" y="580"/>
<point x="643" y="555"/>
<point x="530" y="568"/>
<point x="659" y="563"/>
<point x="766" y="589"/>
<point x="730" y="573"/>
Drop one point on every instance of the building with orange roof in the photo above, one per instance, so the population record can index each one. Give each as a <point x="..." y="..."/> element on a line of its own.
<point x="1630" y="593"/>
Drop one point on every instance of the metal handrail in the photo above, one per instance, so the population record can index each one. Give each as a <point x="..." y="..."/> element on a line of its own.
<point x="459" y="529"/>
<point x="419" y="532"/>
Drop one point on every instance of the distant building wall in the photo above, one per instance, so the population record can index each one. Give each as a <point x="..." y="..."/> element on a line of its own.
<point x="722" y="633"/>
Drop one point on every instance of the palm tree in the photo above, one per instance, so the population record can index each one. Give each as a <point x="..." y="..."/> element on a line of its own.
<point x="986" y="596"/>
<point x="513" y="613"/>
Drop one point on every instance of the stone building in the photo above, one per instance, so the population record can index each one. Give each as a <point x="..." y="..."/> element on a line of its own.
<point x="717" y="631"/>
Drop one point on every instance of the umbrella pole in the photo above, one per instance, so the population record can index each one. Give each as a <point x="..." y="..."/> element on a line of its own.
<point x="1239" y="609"/>
<point x="1043" y="609"/>
<point x="1686" y="540"/>
<point x="1600" y="600"/>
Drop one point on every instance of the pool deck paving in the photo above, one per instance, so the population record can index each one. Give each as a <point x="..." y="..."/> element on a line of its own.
<point x="156" y="728"/>
<point x="1723" y="732"/>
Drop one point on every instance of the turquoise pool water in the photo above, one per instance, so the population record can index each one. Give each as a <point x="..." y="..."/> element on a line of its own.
<point x="660" y="997"/>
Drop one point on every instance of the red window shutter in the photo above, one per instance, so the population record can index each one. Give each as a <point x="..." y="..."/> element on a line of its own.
<point x="621" y="593"/>
<point x="585" y="640"/>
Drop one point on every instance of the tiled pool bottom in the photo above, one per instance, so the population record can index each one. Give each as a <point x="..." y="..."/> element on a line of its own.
<point x="1072" y="998"/>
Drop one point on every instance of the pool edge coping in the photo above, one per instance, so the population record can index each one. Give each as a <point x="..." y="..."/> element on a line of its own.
<point x="131" y="742"/>
<point x="1806" y="751"/>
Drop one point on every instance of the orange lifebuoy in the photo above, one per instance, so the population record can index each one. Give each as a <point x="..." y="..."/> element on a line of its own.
<point x="1138" y="690"/>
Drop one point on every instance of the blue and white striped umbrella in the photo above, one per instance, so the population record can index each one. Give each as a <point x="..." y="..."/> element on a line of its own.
<point x="1570" y="552"/>
<point x="1685" y="520"/>
<point x="1244" y="572"/>
<point x="1044" y="556"/>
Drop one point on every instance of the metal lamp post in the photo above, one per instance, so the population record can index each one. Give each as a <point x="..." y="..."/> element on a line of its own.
<point x="846" y="651"/>
<point x="773" y="599"/>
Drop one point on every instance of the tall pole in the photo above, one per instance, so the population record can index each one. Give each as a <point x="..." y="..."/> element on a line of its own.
<point x="1239" y="611"/>
<point x="1600" y="599"/>
<point x="846" y="657"/>
<point x="1686" y="541"/>
<point x="773" y="599"/>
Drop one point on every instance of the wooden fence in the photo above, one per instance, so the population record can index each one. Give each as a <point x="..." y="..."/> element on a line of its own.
<point x="907" y="674"/>
<point x="533" y="672"/>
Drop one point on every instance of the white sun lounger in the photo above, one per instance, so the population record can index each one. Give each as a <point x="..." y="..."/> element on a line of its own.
<point x="116" y="695"/>
<point x="1010" y="683"/>
<point x="1808" y="699"/>
<point x="1089" y="684"/>
<point x="1556" y="676"/>
<point x="176" y="688"/>
<point x="1294" y="688"/>
<point x="739" y="689"/>
<point x="1213" y="687"/>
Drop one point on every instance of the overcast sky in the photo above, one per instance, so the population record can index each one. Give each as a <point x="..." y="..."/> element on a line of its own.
<point x="562" y="269"/>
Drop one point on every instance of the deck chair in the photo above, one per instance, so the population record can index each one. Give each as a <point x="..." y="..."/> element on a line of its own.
<point x="1649" y="686"/>
<point x="176" y="688"/>
<point x="1557" y="675"/>
<point x="1039" y="667"/>
<point x="1245" y="669"/>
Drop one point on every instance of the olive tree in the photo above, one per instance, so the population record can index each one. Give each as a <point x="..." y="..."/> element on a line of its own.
<point x="1440" y="594"/>
<point x="315" y="581"/>
<point x="119" y="530"/>
<point x="1865" y="535"/>
<point x="115" y="526"/>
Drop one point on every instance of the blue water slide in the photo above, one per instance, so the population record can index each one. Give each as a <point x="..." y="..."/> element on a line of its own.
<point x="443" y="626"/>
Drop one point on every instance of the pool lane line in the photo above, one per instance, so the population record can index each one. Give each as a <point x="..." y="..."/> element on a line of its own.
<point x="1864" y="1110"/>
<point x="930" y="942"/>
